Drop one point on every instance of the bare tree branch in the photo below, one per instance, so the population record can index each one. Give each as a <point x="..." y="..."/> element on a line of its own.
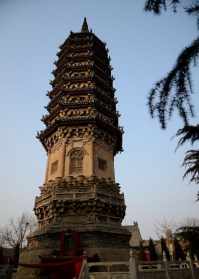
<point x="164" y="226"/>
<point x="16" y="231"/>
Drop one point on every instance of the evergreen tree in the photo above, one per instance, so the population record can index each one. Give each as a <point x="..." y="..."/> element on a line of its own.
<point x="152" y="250"/>
<point x="173" y="92"/>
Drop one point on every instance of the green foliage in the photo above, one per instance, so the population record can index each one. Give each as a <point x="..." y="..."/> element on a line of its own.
<point x="191" y="163"/>
<point x="188" y="133"/>
<point x="173" y="92"/>
<point x="194" y="10"/>
<point x="157" y="6"/>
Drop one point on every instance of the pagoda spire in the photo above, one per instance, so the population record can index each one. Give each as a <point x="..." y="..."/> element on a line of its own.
<point x="85" y="26"/>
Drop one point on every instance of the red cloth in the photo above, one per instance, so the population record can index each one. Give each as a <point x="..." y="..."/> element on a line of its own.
<point x="60" y="270"/>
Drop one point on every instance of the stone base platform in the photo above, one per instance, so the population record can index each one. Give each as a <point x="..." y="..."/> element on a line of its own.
<point x="107" y="242"/>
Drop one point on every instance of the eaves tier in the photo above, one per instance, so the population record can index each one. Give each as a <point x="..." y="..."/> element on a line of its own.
<point x="82" y="92"/>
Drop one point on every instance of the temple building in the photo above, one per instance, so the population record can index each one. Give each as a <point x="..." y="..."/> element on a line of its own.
<point x="80" y="207"/>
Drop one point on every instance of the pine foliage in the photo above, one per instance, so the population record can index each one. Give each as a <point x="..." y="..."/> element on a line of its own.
<point x="157" y="6"/>
<point x="173" y="92"/>
<point x="191" y="163"/>
<point x="194" y="10"/>
<point x="188" y="133"/>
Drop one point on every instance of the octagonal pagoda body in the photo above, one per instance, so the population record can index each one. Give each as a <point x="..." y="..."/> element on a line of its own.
<point x="81" y="138"/>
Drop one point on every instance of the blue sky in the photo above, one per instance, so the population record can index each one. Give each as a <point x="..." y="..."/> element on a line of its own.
<point x="143" y="48"/>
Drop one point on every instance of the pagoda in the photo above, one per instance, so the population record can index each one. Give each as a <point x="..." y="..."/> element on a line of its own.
<point x="81" y="138"/>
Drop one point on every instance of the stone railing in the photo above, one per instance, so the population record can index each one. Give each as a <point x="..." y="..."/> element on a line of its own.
<point x="112" y="270"/>
<point x="133" y="269"/>
<point x="160" y="266"/>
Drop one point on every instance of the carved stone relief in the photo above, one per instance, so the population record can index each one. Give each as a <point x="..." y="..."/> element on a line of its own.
<point x="68" y="99"/>
<point x="65" y="135"/>
<point x="79" y="64"/>
<point x="79" y="85"/>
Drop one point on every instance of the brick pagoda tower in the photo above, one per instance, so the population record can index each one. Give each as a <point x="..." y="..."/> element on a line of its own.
<point x="81" y="138"/>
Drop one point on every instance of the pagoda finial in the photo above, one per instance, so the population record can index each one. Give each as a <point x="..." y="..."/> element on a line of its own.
<point x="85" y="26"/>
